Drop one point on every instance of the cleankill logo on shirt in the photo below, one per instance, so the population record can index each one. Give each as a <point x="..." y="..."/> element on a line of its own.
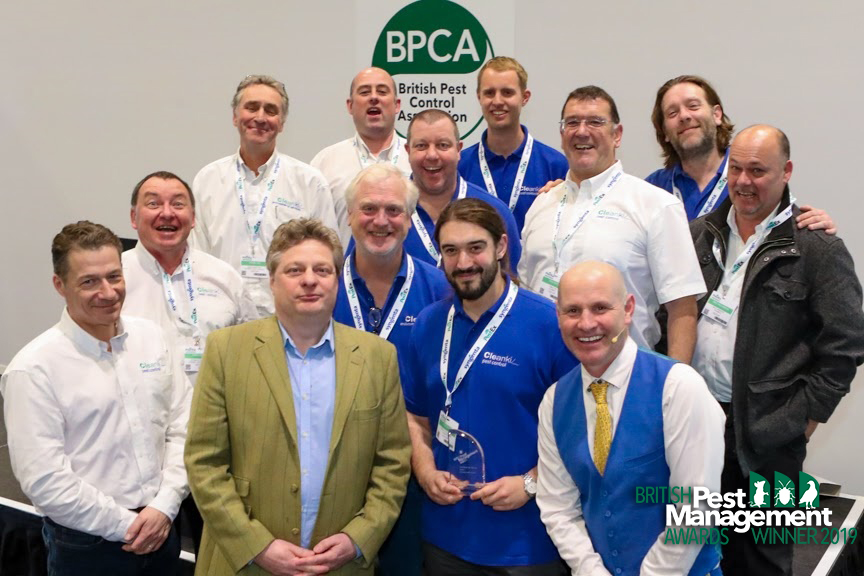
<point x="433" y="49"/>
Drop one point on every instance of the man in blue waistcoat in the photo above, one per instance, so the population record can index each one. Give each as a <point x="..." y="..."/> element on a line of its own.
<point x="627" y="418"/>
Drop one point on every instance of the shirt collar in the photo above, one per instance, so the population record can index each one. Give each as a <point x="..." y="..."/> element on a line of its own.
<point x="733" y="225"/>
<point x="262" y="170"/>
<point x="86" y="342"/>
<point x="517" y="152"/>
<point x="678" y="170"/>
<point x="149" y="262"/>
<point x="457" y="302"/>
<point x="592" y="186"/>
<point x="355" y="276"/>
<point x="618" y="373"/>
<point x="385" y="154"/>
<point x="326" y="340"/>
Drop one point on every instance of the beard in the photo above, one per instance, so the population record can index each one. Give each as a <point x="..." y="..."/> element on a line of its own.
<point x="470" y="292"/>
<point x="701" y="148"/>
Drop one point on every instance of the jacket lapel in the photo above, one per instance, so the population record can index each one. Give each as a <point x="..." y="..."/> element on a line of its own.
<point x="270" y="355"/>
<point x="349" y="367"/>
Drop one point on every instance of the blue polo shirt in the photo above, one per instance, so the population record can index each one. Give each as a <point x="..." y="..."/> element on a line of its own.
<point x="693" y="197"/>
<point x="429" y="285"/>
<point x="546" y="164"/>
<point x="497" y="403"/>
<point x="414" y="245"/>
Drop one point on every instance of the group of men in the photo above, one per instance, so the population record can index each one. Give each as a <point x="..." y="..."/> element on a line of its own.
<point x="468" y="300"/>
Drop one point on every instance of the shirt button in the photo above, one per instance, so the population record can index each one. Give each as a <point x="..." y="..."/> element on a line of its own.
<point x="295" y="531"/>
<point x="294" y="488"/>
<point x="305" y="362"/>
<point x="615" y="553"/>
<point x="608" y="513"/>
<point x="305" y="434"/>
<point x="617" y="570"/>
<point x="782" y="251"/>
<point x="611" y="534"/>
<point x="605" y="493"/>
<point x="305" y="472"/>
<point x="766" y="259"/>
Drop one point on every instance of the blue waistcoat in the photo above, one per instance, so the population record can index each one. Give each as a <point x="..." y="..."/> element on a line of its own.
<point x="622" y="531"/>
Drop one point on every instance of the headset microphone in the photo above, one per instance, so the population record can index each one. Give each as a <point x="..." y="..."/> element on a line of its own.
<point x="615" y="339"/>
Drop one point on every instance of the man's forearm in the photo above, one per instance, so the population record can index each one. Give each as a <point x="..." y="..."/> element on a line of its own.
<point x="681" y="328"/>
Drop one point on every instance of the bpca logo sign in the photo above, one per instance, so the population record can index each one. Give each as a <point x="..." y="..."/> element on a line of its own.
<point x="784" y="494"/>
<point x="433" y="49"/>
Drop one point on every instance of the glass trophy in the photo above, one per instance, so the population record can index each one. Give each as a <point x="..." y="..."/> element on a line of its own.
<point x="466" y="463"/>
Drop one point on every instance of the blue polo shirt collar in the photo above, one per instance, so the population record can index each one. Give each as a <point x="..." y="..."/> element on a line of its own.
<point x="518" y="152"/>
<point x="460" y="310"/>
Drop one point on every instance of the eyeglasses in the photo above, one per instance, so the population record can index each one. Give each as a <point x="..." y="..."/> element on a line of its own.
<point x="375" y="317"/>
<point x="572" y="124"/>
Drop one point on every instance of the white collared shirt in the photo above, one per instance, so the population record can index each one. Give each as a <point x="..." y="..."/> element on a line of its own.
<point x="95" y="433"/>
<point x="221" y="227"/>
<point x="219" y="298"/>
<point x="340" y="164"/>
<point x="693" y="428"/>
<point x="715" y="343"/>
<point x="638" y="228"/>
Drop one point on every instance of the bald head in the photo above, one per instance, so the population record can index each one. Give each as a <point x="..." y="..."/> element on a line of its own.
<point x="373" y="104"/>
<point x="766" y="134"/>
<point x="759" y="169"/>
<point x="371" y="75"/>
<point x="594" y="311"/>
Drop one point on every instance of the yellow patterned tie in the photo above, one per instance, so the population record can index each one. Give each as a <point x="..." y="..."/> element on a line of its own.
<point x="603" y="427"/>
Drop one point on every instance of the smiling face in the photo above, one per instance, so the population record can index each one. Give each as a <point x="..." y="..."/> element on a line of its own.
<point x="379" y="216"/>
<point x="589" y="151"/>
<point x="259" y="117"/>
<point x="304" y="282"/>
<point x="373" y="103"/>
<point x="163" y="216"/>
<point x="593" y="310"/>
<point x="470" y="258"/>
<point x="433" y="152"/>
<point x="501" y="98"/>
<point x="94" y="289"/>
<point x="758" y="173"/>
<point x="689" y="122"/>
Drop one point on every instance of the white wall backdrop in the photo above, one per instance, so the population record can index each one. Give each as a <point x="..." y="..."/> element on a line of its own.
<point x="96" y="94"/>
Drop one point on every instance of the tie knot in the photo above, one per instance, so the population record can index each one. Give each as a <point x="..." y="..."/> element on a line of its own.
<point x="598" y="389"/>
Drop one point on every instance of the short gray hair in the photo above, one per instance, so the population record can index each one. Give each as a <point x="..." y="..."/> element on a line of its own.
<point x="253" y="79"/>
<point x="377" y="173"/>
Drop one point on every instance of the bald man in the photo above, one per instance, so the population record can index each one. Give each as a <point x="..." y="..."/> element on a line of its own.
<point x="373" y="105"/>
<point x="781" y="330"/>
<point x="666" y="428"/>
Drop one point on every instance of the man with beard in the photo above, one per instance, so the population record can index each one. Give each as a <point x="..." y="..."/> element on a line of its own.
<point x="508" y="161"/>
<point x="694" y="132"/>
<point x="485" y="379"/>
<point x="373" y="105"/>
<point x="382" y="290"/>
<point x="433" y="152"/>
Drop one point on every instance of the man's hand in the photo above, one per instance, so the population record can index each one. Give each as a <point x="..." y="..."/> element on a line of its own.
<point x="147" y="532"/>
<point x="551" y="184"/>
<point x="816" y="219"/>
<point x="437" y="486"/>
<point x="811" y="427"/>
<point x="282" y="559"/>
<point x="507" y="493"/>
<point x="331" y="553"/>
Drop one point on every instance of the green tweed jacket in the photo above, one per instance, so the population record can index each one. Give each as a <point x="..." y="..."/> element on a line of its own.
<point x="242" y="455"/>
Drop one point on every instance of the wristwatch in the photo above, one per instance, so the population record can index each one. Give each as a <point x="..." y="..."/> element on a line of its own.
<point x="530" y="485"/>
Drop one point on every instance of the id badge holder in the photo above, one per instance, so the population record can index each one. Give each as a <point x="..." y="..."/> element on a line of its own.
<point x="719" y="308"/>
<point x="252" y="268"/>
<point x="549" y="285"/>
<point x="192" y="358"/>
<point x="442" y="432"/>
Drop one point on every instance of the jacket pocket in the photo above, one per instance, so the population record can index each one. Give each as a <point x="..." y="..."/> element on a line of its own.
<point x="776" y="413"/>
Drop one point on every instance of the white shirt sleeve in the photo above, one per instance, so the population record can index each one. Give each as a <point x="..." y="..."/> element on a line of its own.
<point x="34" y="423"/>
<point x="693" y="430"/>
<point x="558" y="500"/>
<point x="672" y="257"/>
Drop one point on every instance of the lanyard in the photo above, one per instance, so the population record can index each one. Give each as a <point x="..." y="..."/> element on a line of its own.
<point x="254" y="232"/>
<point x="398" y="305"/>
<point x="520" y="173"/>
<point x="715" y="194"/>
<point x="751" y="246"/>
<point x="421" y="228"/>
<point x="366" y="160"/>
<point x="189" y="289"/>
<point x="558" y="246"/>
<point x="479" y="344"/>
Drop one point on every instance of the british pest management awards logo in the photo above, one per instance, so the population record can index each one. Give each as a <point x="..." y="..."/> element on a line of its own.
<point x="772" y="513"/>
<point x="433" y="49"/>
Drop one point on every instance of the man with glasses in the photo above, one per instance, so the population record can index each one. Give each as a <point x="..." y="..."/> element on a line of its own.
<point x="373" y="105"/>
<point x="508" y="161"/>
<point x="244" y="197"/>
<point x="601" y="213"/>
<point x="382" y="290"/>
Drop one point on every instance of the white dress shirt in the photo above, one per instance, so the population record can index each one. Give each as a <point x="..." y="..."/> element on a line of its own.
<point x="693" y="428"/>
<point x="221" y="227"/>
<point x="219" y="299"/>
<point x="715" y="343"/>
<point x="342" y="161"/>
<point x="93" y="433"/>
<point x="638" y="228"/>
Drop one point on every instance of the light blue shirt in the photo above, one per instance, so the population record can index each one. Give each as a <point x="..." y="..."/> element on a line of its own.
<point x="313" y="385"/>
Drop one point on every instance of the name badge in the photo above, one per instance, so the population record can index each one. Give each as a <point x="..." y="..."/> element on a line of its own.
<point x="192" y="358"/>
<point x="251" y="268"/>
<point x="549" y="286"/>
<point x="442" y="434"/>
<point x="719" y="309"/>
